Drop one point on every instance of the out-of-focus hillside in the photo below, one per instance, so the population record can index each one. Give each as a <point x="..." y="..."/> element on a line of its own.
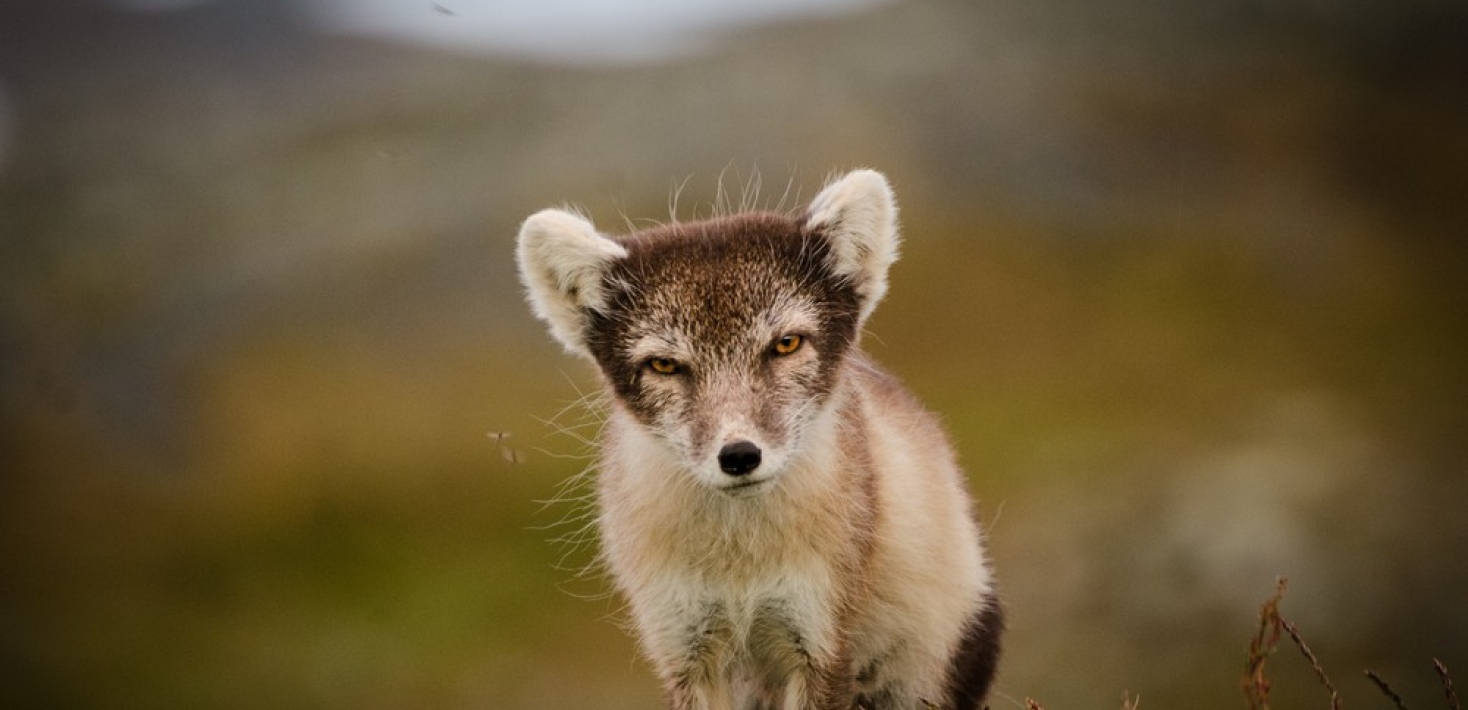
<point x="1185" y="281"/>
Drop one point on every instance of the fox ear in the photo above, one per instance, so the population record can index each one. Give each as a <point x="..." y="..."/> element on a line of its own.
<point x="858" y="215"/>
<point x="562" y="261"/>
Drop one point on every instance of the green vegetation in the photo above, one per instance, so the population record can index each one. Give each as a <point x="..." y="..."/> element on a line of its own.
<point x="1185" y="284"/>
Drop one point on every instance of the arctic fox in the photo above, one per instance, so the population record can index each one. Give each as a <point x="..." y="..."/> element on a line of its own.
<point x="786" y="521"/>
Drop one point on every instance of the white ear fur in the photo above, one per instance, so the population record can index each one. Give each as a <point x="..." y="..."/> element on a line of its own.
<point x="562" y="260"/>
<point x="858" y="213"/>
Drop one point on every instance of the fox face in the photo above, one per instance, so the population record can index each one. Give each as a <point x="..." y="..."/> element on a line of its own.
<point x="723" y="338"/>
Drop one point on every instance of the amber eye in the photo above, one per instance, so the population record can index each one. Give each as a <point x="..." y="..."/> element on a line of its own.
<point x="788" y="344"/>
<point x="663" y="365"/>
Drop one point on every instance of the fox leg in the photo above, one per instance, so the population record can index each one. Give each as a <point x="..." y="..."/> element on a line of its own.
<point x="799" y="674"/>
<point x="696" y="661"/>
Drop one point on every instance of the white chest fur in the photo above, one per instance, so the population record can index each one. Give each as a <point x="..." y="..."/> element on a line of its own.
<point x="742" y="582"/>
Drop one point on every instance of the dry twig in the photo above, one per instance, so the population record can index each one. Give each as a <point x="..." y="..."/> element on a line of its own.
<point x="1335" y="698"/>
<point x="1255" y="682"/>
<point x="1442" y="672"/>
<point x="1386" y="689"/>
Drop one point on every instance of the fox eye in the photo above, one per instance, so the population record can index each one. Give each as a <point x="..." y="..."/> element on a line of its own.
<point x="788" y="344"/>
<point x="663" y="365"/>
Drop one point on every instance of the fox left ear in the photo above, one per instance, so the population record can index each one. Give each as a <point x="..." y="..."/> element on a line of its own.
<point x="858" y="215"/>
<point x="563" y="261"/>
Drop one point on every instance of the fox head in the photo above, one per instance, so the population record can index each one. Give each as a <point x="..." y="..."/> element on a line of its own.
<point x="724" y="338"/>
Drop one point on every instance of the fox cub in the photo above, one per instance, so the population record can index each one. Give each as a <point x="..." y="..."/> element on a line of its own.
<point x="786" y="521"/>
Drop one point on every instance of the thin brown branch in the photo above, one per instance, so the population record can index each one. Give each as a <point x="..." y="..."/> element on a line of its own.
<point x="1289" y="627"/>
<point x="1255" y="681"/>
<point x="1386" y="689"/>
<point x="1442" y="672"/>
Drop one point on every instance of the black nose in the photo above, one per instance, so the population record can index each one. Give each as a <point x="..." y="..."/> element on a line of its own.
<point x="738" y="458"/>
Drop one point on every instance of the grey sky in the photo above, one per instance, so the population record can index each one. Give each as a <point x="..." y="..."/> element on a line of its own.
<point x="571" y="31"/>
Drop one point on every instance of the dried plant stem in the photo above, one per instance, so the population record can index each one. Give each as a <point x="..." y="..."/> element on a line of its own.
<point x="1442" y="672"/>
<point x="1386" y="689"/>
<point x="1335" y="698"/>
<point x="1255" y="682"/>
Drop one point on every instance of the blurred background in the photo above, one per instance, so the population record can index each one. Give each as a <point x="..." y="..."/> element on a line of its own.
<point x="1187" y="281"/>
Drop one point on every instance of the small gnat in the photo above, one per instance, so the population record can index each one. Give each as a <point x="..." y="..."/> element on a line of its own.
<point x="509" y="454"/>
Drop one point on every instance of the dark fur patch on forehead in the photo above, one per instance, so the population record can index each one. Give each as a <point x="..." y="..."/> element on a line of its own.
<point x="755" y="243"/>
<point x="708" y="280"/>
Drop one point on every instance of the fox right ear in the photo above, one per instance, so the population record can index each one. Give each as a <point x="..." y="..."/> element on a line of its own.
<point x="858" y="214"/>
<point x="562" y="261"/>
